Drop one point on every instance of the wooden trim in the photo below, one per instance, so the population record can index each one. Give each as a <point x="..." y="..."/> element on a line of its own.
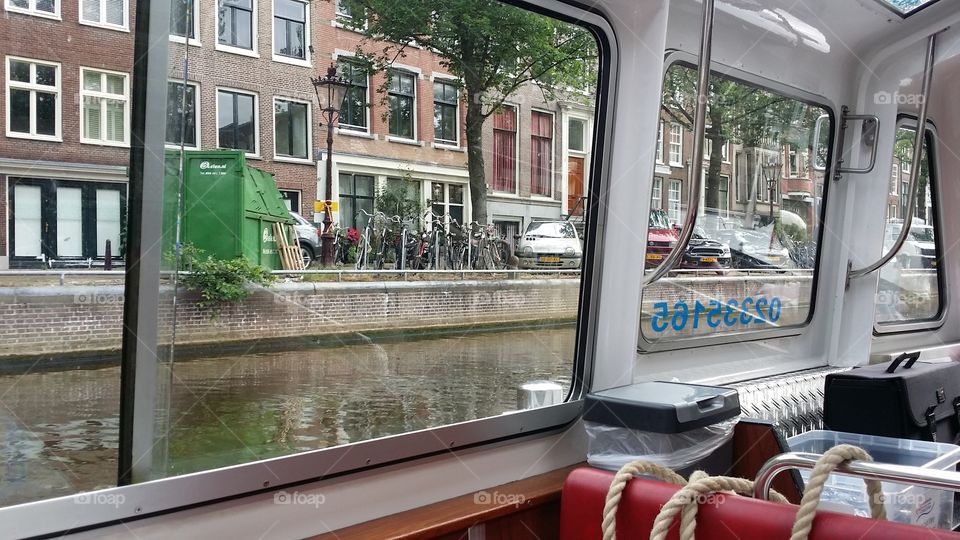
<point x="455" y="516"/>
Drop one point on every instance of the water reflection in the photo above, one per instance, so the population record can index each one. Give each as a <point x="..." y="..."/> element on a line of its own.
<point x="235" y="409"/>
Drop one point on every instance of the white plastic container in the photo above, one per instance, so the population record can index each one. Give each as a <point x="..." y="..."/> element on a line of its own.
<point x="904" y="503"/>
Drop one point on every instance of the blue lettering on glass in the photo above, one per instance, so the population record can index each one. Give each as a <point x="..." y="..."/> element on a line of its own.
<point x="747" y="312"/>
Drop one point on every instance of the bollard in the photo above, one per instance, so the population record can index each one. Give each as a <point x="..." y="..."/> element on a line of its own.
<point x="535" y="394"/>
<point x="107" y="257"/>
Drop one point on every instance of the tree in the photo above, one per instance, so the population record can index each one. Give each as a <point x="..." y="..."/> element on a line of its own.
<point x="494" y="49"/>
<point x="903" y="151"/>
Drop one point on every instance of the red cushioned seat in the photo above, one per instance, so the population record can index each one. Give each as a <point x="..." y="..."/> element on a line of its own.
<point x="731" y="518"/>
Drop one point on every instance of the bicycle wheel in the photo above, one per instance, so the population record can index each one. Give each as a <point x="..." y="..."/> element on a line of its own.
<point x="362" y="248"/>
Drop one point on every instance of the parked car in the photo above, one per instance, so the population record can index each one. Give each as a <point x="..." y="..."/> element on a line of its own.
<point x="920" y="248"/>
<point x="549" y="244"/>
<point x="661" y="237"/>
<point x="703" y="253"/>
<point x="308" y="236"/>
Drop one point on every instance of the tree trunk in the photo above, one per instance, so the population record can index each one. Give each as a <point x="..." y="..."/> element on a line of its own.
<point x="713" y="133"/>
<point x="475" y="166"/>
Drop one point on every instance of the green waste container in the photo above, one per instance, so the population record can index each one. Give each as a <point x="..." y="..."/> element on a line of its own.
<point x="229" y="208"/>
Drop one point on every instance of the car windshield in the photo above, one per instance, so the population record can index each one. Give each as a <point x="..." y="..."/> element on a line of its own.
<point x="659" y="220"/>
<point x="551" y="229"/>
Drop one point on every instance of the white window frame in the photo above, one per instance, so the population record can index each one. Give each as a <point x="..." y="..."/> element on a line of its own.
<point x="656" y="198"/>
<point x="196" y="108"/>
<point x="679" y="200"/>
<point x="553" y="154"/>
<point x="279" y="157"/>
<point x="58" y="89"/>
<point x="894" y="179"/>
<point x="256" y="111"/>
<point x="450" y="80"/>
<point x="32" y="10"/>
<point x="905" y="166"/>
<point x="195" y="40"/>
<point x="254" y="32"/>
<point x="659" y="153"/>
<point x="679" y="145"/>
<point x="417" y="74"/>
<point x="307" y="60"/>
<point x="352" y="130"/>
<point x="103" y="109"/>
<point x="725" y="211"/>
<point x="125" y="27"/>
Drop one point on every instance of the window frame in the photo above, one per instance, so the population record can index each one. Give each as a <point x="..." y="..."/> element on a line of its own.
<point x="447" y="81"/>
<point x="553" y="154"/>
<point x="292" y="159"/>
<point x="103" y="96"/>
<point x="656" y="193"/>
<point x="197" y="113"/>
<point x="306" y="61"/>
<point x="658" y="155"/>
<point x="256" y="116"/>
<point x="412" y="97"/>
<point x="361" y="223"/>
<point x="353" y="129"/>
<point x="254" y="31"/>
<point x="670" y="143"/>
<point x="195" y="40"/>
<point x="34" y="12"/>
<point x="516" y="151"/>
<point x="937" y="321"/>
<point x="688" y="60"/>
<point x="125" y="27"/>
<point x="32" y="88"/>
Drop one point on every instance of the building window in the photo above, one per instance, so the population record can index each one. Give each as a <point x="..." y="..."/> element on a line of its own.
<point x="541" y="153"/>
<point x="41" y="8"/>
<point x="182" y="115"/>
<point x="290" y="29"/>
<point x="33" y="99"/>
<point x="676" y="145"/>
<point x="446" y="97"/>
<point x="505" y="149"/>
<point x="343" y="11"/>
<point x="110" y="13"/>
<point x="236" y="24"/>
<point x="660" y="142"/>
<point x="894" y="179"/>
<point x="575" y="131"/>
<point x="356" y="197"/>
<point x="402" y="95"/>
<point x="708" y="150"/>
<point x="353" y="114"/>
<point x="237" y="121"/>
<point x="291" y="199"/>
<point x="656" y="200"/>
<point x="105" y="103"/>
<point x="905" y="196"/>
<point x="291" y="129"/>
<point x="723" y="197"/>
<point x="447" y="200"/>
<point x="673" y="201"/>
<point x="793" y="162"/>
<point x="183" y="18"/>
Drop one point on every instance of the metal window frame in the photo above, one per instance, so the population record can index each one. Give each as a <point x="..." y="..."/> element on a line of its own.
<point x="645" y="345"/>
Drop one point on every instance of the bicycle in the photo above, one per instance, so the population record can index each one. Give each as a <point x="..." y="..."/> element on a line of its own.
<point x="363" y="246"/>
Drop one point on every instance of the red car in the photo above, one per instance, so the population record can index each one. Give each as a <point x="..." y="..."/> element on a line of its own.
<point x="661" y="237"/>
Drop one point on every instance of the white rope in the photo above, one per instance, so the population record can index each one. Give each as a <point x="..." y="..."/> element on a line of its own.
<point x="620" y="480"/>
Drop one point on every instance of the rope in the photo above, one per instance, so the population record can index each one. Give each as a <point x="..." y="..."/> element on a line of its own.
<point x="620" y="480"/>
<point x="830" y="460"/>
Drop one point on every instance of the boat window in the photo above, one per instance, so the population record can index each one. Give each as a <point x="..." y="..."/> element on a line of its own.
<point x="910" y="284"/>
<point x="906" y="8"/>
<point x="751" y="264"/>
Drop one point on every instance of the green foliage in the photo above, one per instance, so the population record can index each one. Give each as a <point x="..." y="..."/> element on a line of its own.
<point x="792" y="231"/>
<point x="400" y="197"/>
<point x="218" y="281"/>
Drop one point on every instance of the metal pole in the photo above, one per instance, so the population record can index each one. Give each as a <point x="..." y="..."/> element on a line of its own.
<point x="914" y="169"/>
<point x="327" y="238"/>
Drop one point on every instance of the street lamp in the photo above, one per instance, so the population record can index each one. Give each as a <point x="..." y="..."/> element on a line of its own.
<point x="330" y="90"/>
<point x="771" y="173"/>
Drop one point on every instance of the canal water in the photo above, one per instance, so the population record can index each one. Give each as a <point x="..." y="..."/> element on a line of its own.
<point x="59" y="430"/>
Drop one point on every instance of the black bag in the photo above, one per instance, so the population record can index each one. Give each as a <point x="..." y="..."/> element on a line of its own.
<point x="917" y="401"/>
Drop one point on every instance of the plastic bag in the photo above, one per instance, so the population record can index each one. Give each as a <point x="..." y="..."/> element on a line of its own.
<point x="611" y="447"/>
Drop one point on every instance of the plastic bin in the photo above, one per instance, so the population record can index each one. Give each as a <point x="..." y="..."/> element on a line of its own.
<point x="905" y="503"/>
<point x="681" y="426"/>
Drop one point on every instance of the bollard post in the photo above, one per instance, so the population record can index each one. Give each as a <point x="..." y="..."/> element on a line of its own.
<point x="107" y="257"/>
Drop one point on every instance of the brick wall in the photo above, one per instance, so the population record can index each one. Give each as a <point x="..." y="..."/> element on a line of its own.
<point x="83" y="319"/>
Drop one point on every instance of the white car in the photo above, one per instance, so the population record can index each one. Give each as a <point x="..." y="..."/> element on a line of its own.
<point x="920" y="248"/>
<point x="550" y="244"/>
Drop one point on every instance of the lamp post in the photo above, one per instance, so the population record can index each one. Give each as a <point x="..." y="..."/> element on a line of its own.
<point x="330" y="90"/>
<point x="771" y="172"/>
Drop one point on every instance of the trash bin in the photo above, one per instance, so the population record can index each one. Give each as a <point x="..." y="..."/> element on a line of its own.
<point x="229" y="208"/>
<point x="916" y="505"/>
<point x="684" y="427"/>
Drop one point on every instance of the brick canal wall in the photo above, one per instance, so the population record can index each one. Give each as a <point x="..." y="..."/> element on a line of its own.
<point x="65" y="321"/>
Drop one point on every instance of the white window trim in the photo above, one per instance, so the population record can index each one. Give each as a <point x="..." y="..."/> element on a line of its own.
<point x="32" y="10"/>
<point x="657" y="193"/>
<point x="895" y="177"/>
<point x="279" y="157"/>
<point x="658" y="154"/>
<point x="256" y="112"/>
<point x="516" y="153"/>
<point x="196" y="109"/>
<point x="125" y="27"/>
<point x="679" y="199"/>
<point x="103" y="112"/>
<point x="449" y="145"/>
<point x="307" y="61"/>
<point x="195" y="40"/>
<point x="58" y="137"/>
<point x="416" y="106"/>
<point x="553" y="155"/>
<point x="680" y="146"/>
<point x="351" y="129"/>
<point x="254" y="35"/>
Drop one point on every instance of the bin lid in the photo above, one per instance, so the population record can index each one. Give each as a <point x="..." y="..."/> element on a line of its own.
<point x="662" y="407"/>
<point x="262" y="198"/>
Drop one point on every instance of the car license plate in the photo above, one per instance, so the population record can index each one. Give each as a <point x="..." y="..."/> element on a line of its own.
<point x="706" y="260"/>
<point x="654" y="257"/>
<point x="549" y="259"/>
<point x="774" y="258"/>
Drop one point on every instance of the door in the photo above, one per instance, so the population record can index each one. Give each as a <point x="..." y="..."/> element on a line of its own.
<point x="27" y="221"/>
<point x="575" y="186"/>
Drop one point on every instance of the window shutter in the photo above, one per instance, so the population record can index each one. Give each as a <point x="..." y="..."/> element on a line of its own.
<point x="91" y="118"/>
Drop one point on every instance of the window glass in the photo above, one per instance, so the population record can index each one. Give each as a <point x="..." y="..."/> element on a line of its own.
<point x="356" y="199"/>
<point x="353" y="114"/>
<point x="181" y="114"/>
<point x="104" y="107"/>
<point x="541" y="154"/>
<point x="34" y="104"/>
<point x="236" y="121"/>
<point x="402" y="99"/>
<point x="575" y="134"/>
<point x="292" y="129"/>
<point x="751" y="261"/>
<point x="289" y="28"/>
<point x="909" y="286"/>
<point x="445" y="120"/>
<point x="43" y="8"/>
<point x="183" y="18"/>
<point x="505" y="149"/>
<point x="104" y="12"/>
<point x="236" y="23"/>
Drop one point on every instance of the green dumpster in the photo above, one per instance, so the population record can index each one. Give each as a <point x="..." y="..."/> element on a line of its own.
<point x="229" y="208"/>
